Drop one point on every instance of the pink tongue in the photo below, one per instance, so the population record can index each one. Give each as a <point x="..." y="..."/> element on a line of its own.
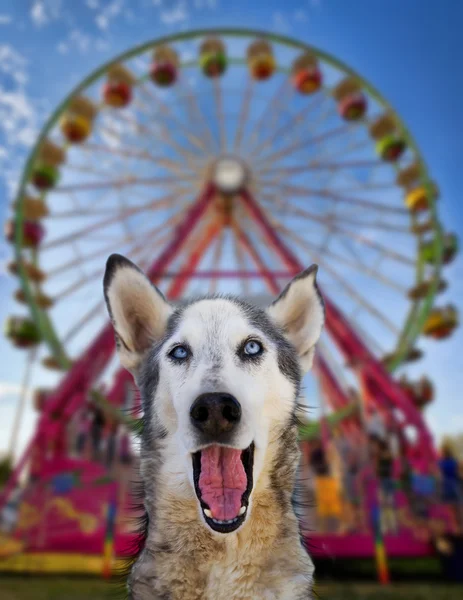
<point x="222" y="481"/>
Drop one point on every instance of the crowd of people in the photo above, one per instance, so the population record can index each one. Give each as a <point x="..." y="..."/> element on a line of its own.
<point x="341" y="465"/>
<point x="95" y="436"/>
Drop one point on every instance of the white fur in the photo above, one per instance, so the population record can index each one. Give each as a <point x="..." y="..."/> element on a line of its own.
<point x="301" y="315"/>
<point x="214" y="329"/>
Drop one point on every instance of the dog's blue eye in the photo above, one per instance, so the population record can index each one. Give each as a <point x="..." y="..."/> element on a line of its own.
<point x="179" y="353"/>
<point x="253" y="348"/>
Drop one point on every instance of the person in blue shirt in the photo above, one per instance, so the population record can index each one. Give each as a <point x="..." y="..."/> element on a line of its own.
<point x="450" y="480"/>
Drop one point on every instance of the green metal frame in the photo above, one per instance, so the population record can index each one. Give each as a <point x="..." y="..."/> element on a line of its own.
<point x="419" y="309"/>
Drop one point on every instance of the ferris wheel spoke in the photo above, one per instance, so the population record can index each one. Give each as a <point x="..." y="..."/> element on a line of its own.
<point x="87" y="318"/>
<point x="345" y="219"/>
<point x="331" y="225"/>
<point x="314" y="125"/>
<point x="297" y="191"/>
<point x="124" y="146"/>
<point x="101" y="252"/>
<point x="323" y="250"/>
<point x="121" y="169"/>
<point x="324" y="158"/>
<point x="353" y="251"/>
<point x="371" y="341"/>
<point x="287" y="151"/>
<point x="220" y="114"/>
<point x="80" y="212"/>
<point x="130" y="180"/>
<point x="195" y="113"/>
<point x="152" y="205"/>
<point x="217" y="258"/>
<point x="127" y="152"/>
<point x="244" y="114"/>
<point x="167" y="112"/>
<point x="164" y="136"/>
<point x="99" y="307"/>
<point x="347" y="149"/>
<point x="143" y="237"/>
<point x="287" y="129"/>
<point x="270" y="115"/>
<point x="247" y="244"/>
<point x="320" y="165"/>
<point x="209" y="233"/>
<point x="325" y="356"/>
<point x="349" y="289"/>
<point x="139" y="249"/>
<point x="240" y="257"/>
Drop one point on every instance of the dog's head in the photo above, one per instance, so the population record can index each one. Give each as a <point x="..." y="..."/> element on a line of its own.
<point x="220" y="378"/>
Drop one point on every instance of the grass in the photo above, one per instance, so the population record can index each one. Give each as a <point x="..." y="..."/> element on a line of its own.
<point x="59" y="588"/>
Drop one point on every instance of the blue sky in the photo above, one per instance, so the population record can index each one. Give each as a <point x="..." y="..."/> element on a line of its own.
<point x="409" y="49"/>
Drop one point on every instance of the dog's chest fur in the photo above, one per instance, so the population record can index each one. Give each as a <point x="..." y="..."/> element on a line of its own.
<point x="264" y="560"/>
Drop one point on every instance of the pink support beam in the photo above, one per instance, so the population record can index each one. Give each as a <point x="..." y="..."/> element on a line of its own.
<point x="270" y="278"/>
<point x="334" y="392"/>
<point x="220" y="274"/>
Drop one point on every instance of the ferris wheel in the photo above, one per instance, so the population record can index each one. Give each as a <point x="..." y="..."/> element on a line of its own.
<point x="226" y="161"/>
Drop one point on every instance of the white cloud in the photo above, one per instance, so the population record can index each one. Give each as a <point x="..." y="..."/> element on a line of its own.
<point x="108" y="13"/>
<point x="80" y="40"/>
<point x="205" y="3"/>
<point x="280" y="21"/>
<point x="175" y="15"/>
<point x="5" y="19"/>
<point x="62" y="48"/>
<point x="44" y="11"/>
<point x="300" y="16"/>
<point x="9" y="389"/>
<point x="38" y="14"/>
<point x="18" y="115"/>
<point x="12" y="64"/>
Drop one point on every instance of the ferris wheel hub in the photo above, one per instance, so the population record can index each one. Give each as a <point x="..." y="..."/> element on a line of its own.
<point x="229" y="174"/>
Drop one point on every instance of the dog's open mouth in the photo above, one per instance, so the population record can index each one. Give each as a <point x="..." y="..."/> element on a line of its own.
<point x="223" y="484"/>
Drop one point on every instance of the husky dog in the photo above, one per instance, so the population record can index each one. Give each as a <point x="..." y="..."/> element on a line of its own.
<point x="219" y="380"/>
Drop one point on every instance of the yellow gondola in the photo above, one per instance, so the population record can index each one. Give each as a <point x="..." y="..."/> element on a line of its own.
<point x="417" y="199"/>
<point x="42" y="300"/>
<point x="441" y="322"/>
<point x="77" y="122"/>
<point x="33" y="272"/>
<point x="261" y="61"/>
<point x="34" y="209"/>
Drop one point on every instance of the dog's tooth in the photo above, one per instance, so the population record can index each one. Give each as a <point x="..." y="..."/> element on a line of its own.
<point x="242" y="510"/>
<point x="208" y="513"/>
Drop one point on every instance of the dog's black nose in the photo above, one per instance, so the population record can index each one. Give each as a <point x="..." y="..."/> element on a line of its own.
<point x="215" y="414"/>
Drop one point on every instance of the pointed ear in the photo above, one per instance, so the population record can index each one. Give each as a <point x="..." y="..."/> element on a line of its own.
<point x="138" y="310"/>
<point x="300" y="312"/>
